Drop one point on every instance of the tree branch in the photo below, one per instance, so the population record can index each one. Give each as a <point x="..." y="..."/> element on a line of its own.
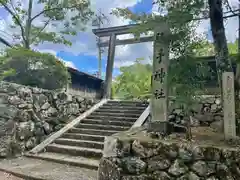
<point x="229" y="6"/>
<point x="51" y="9"/>
<point x="5" y="42"/>
<point x="41" y="30"/>
<point x="16" y="18"/>
<point x="28" y="24"/>
<point x="224" y="17"/>
<point x="13" y="7"/>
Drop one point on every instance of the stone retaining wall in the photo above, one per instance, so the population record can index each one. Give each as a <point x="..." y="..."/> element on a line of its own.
<point x="28" y="115"/>
<point x="207" y="111"/>
<point x="134" y="155"/>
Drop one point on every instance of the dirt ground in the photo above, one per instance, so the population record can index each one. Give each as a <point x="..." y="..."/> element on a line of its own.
<point x="6" y="176"/>
<point x="206" y="135"/>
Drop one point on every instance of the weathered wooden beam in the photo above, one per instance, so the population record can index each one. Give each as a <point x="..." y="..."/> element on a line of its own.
<point x="118" y="30"/>
<point x="128" y="41"/>
<point x="109" y="69"/>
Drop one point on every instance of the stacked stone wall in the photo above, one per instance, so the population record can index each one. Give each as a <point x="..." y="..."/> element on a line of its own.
<point x="28" y="115"/>
<point x="134" y="155"/>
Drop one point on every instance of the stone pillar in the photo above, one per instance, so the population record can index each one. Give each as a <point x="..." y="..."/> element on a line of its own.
<point x="159" y="100"/>
<point x="109" y="69"/>
<point x="229" y="105"/>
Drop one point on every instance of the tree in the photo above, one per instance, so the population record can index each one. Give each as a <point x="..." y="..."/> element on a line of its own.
<point x="233" y="47"/>
<point x="223" y="62"/>
<point x="185" y="74"/>
<point x="134" y="81"/>
<point x="182" y="38"/>
<point x="26" y="67"/>
<point x="182" y="16"/>
<point x="207" y="49"/>
<point x="98" y="21"/>
<point x="70" y="14"/>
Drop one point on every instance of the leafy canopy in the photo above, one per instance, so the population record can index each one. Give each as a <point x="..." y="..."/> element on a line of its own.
<point x="134" y="81"/>
<point x="54" y="21"/>
<point x="183" y="39"/>
<point x="186" y="75"/>
<point x="23" y="66"/>
<point x="207" y="49"/>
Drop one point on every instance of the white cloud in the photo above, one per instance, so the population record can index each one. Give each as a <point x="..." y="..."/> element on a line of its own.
<point x="69" y="64"/>
<point x="66" y="63"/>
<point x="124" y="54"/>
<point x="231" y="24"/>
<point x="231" y="29"/>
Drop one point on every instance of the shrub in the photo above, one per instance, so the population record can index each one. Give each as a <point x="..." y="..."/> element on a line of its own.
<point x="27" y="67"/>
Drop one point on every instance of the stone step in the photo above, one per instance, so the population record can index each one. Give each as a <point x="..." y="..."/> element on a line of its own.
<point x="74" y="151"/>
<point x="119" y="114"/>
<point x="93" y="131"/>
<point x="112" y="118"/>
<point x="106" y="106"/>
<point x="80" y="143"/>
<point x="122" y="104"/>
<point x="102" y="127"/>
<point x="130" y="111"/>
<point x="106" y="122"/>
<point x="87" y="137"/>
<point x="66" y="159"/>
<point x="126" y="101"/>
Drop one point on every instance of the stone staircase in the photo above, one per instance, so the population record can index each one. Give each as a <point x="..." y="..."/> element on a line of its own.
<point x="82" y="145"/>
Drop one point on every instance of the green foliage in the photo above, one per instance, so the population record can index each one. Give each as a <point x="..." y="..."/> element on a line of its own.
<point x="3" y="71"/>
<point x="134" y="82"/>
<point x="179" y="15"/>
<point x="57" y="19"/>
<point x="206" y="48"/>
<point x="184" y="72"/>
<point x="34" y="69"/>
<point x="233" y="47"/>
<point x="186" y="78"/>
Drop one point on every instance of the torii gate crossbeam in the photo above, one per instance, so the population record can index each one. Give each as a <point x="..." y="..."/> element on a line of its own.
<point x="112" y="32"/>
<point x="159" y="99"/>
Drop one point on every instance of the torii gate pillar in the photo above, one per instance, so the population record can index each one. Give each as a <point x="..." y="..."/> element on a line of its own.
<point x="112" y="32"/>
<point x="109" y="69"/>
<point x="159" y="100"/>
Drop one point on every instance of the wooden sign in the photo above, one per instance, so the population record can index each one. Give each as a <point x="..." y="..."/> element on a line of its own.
<point x="229" y="105"/>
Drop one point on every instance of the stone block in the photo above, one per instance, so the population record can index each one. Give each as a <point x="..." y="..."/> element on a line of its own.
<point x="170" y="159"/>
<point x="35" y="113"/>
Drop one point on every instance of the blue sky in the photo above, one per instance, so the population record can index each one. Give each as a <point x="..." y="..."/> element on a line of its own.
<point x="89" y="63"/>
<point x="83" y="53"/>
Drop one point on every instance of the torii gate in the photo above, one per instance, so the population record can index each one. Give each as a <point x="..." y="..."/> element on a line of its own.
<point x="159" y="100"/>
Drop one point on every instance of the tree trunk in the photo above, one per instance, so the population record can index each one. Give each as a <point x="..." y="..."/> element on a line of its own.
<point x="223" y="61"/>
<point x="28" y="25"/>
